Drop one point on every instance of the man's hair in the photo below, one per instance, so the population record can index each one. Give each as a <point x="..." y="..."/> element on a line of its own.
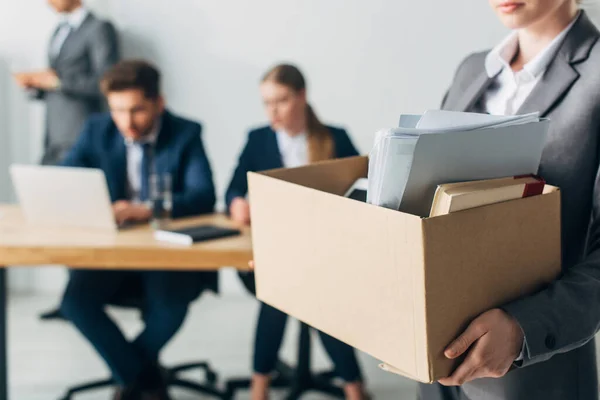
<point x="132" y="74"/>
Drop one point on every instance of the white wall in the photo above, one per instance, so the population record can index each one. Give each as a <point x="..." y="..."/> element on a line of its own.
<point x="366" y="62"/>
<point x="24" y="29"/>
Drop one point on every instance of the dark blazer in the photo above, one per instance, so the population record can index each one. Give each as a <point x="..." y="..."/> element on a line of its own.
<point x="83" y="58"/>
<point x="178" y="151"/>
<point x="560" y="321"/>
<point x="262" y="153"/>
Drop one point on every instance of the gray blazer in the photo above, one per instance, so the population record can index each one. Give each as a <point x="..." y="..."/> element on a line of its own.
<point x="86" y="53"/>
<point x="560" y="321"/>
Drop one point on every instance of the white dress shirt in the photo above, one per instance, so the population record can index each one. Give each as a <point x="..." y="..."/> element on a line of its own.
<point x="511" y="88"/>
<point x="293" y="149"/>
<point x="135" y="154"/>
<point x="69" y="22"/>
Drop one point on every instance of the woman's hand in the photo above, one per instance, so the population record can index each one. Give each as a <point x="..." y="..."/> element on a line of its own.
<point x="240" y="210"/>
<point x="492" y="342"/>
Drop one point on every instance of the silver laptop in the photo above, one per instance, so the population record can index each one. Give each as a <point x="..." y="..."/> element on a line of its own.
<point x="63" y="196"/>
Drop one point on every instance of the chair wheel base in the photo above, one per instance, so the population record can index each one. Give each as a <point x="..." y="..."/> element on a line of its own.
<point x="211" y="377"/>
<point x="207" y="387"/>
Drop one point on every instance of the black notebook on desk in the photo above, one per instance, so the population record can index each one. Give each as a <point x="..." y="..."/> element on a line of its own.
<point x="193" y="234"/>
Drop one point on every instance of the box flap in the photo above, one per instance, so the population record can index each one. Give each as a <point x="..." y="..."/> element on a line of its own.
<point x="335" y="176"/>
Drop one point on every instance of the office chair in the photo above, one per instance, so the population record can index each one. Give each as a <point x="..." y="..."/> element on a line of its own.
<point x="51" y="314"/>
<point x="131" y="296"/>
<point x="299" y="380"/>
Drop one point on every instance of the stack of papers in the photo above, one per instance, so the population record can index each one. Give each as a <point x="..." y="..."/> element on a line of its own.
<point x="407" y="163"/>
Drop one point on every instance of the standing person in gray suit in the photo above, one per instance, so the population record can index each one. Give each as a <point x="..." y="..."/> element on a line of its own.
<point x="81" y="49"/>
<point x="540" y="346"/>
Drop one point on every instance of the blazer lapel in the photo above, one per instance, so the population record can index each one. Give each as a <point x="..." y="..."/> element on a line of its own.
<point x="551" y="88"/>
<point x="118" y="166"/>
<point x="70" y="40"/>
<point x="52" y="57"/>
<point x="162" y="148"/>
<point x="561" y="73"/>
<point x="473" y="92"/>
<point x="272" y="150"/>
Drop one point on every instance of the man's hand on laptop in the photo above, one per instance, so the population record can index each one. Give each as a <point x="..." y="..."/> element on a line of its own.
<point x="126" y="211"/>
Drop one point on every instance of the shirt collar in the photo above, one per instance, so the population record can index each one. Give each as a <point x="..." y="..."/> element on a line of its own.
<point x="148" y="139"/>
<point x="76" y="17"/>
<point x="291" y="138"/>
<point x="500" y="56"/>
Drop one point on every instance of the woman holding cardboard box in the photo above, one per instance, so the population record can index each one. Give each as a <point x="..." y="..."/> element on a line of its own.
<point x="294" y="138"/>
<point x="550" y="64"/>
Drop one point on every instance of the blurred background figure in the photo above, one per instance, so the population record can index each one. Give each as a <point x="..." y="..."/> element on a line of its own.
<point x="295" y="137"/>
<point x="80" y="50"/>
<point x="138" y="138"/>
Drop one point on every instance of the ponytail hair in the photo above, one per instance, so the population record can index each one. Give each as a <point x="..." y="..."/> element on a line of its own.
<point x="320" y="141"/>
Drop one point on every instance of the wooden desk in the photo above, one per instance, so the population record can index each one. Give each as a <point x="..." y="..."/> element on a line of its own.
<point x="22" y="244"/>
<point x="133" y="248"/>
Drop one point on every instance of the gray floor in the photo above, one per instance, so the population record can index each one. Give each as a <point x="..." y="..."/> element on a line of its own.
<point x="45" y="357"/>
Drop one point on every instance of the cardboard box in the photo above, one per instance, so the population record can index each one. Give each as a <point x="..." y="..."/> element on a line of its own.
<point x="396" y="286"/>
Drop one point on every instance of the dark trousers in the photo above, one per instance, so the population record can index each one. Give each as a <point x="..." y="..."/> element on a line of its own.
<point x="269" y="335"/>
<point x="164" y="297"/>
<point x="436" y="391"/>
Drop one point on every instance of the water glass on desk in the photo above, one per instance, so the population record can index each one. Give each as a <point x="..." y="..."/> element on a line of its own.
<point x="161" y="200"/>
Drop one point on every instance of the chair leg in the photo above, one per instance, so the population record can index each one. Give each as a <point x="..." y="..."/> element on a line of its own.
<point x="53" y="314"/>
<point x="284" y="371"/>
<point x="88" y="386"/>
<point x="282" y="379"/>
<point x="233" y="385"/>
<point x="315" y="385"/>
<point x="210" y="375"/>
<point x="294" y="394"/>
<point x="299" y="380"/>
<point x="204" y="389"/>
<point x="185" y="367"/>
<point x="304" y="380"/>
<point x="326" y="387"/>
<point x="302" y="372"/>
<point x="326" y="376"/>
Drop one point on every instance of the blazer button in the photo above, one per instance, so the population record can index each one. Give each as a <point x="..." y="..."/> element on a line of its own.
<point x="550" y="342"/>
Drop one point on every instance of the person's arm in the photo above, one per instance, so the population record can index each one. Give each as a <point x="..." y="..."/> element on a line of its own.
<point x="79" y="155"/>
<point x="566" y="315"/>
<point x="104" y="52"/>
<point x="36" y="94"/>
<point x="560" y="318"/>
<point x="25" y="81"/>
<point x="198" y="195"/>
<point x="238" y="187"/>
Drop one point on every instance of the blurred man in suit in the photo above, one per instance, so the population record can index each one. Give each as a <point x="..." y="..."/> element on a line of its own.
<point x="81" y="49"/>
<point x="137" y="137"/>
